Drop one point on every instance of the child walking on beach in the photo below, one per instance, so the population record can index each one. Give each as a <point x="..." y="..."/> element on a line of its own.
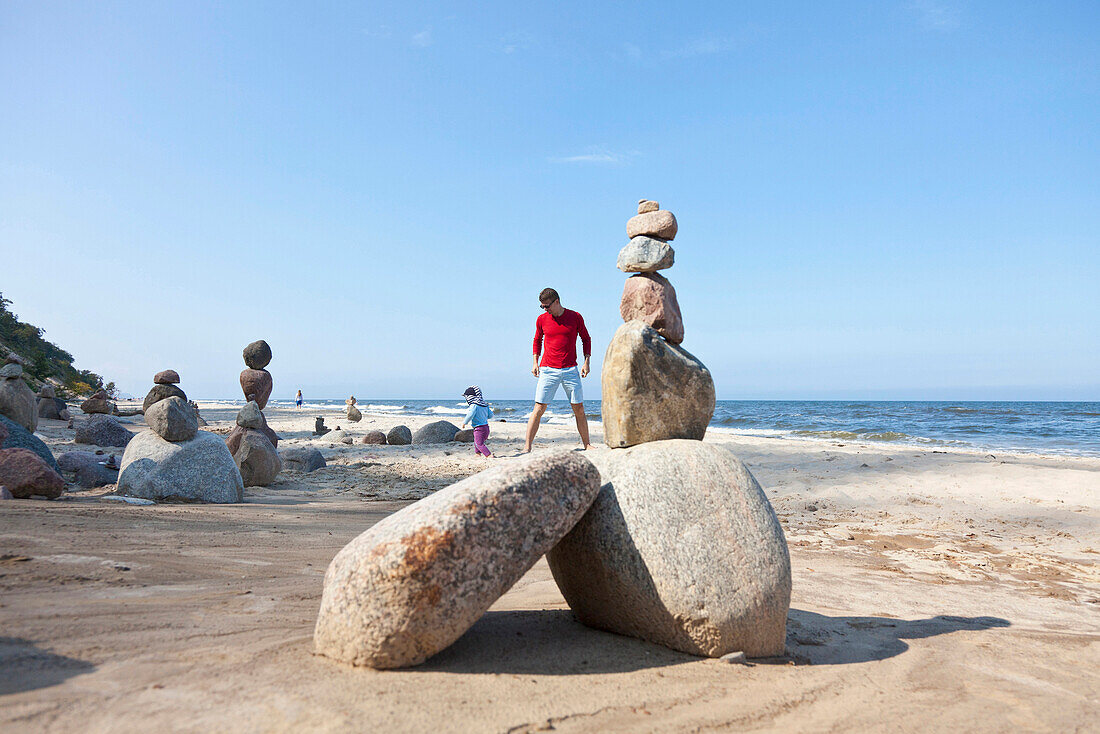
<point x="478" y="416"/>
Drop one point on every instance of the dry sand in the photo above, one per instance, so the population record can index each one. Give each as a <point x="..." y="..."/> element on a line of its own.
<point x="932" y="591"/>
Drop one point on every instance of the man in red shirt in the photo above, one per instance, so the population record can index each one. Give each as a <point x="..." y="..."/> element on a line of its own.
<point x="556" y="332"/>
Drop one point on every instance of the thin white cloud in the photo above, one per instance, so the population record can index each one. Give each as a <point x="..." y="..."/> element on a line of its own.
<point x="595" y="155"/>
<point x="703" y="46"/>
<point x="423" y="39"/>
<point x="936" y="15"/>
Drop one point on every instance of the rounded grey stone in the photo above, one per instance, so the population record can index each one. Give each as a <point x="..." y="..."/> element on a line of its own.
<point x="102" y="430"/>
<point x="160" y="392"/>
<point x="681" y="548"/>
<point x="303" y="460"/>
<point x="436" y="432"/>
<point x="646" y="255"/>
<point x="198" y="470"/>
<point x="257" y="459"/>
<point x="173" y="419"/>
<point x="413" y="583"/>
<point x="20" y="438"/>
<point x="399" y="436"/>
<point x="250" y="416"/>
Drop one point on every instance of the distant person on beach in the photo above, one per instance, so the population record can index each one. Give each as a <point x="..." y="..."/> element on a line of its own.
<point x="298" y="400"/>
<point x="478" y="416"/>
<point x="556" y="332"/>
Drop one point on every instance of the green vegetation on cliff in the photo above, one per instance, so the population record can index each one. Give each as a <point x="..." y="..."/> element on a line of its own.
<point x="42" y="359"/>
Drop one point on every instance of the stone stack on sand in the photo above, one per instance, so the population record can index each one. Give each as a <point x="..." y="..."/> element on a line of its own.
<point x="353" y="413"/>
<point x="173" y="460"/>
<point x="50" y="406"/>
<point x="16" y="399"/>
<point x="99" y="404"/>
<point x="653" y="389"/>
<point x="165" y="385"/>
<point x="252" y="450"/>
<point x="256" y="384"/>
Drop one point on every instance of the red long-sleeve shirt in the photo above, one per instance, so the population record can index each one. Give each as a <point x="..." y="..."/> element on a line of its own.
<point x="559" y="337"/>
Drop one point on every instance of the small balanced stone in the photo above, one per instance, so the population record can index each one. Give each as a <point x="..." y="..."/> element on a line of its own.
<point x="645" y="255"/>
<point x="661" y="223"/>
<point x="166" y="377"/>
<point x="647" y="205"/>
<point x="250" y="416"/>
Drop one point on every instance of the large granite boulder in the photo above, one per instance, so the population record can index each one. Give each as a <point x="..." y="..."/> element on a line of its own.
<point x="436" y="432"/>
<point x="303" y="460"/>
<point x="650" y="298"/>
<point x="15" y="436"/>
<point x="660" y="224"/>
<point x="257" y="355"/>
<point x="17" y="401"/>
<point x="198" y="470"/>
<point x="646" y="255"/>
<point x="24" y="473"/>
<point x="173" y="419"/>
<point x="162" y="392"/>
<point x="681" y="548"/>
<point x="413" y="583"/>
<point x="399" y="436"/>
<point x="652" y="390"/>
<point x="257" y="459"/>
<point x="166" y="377"/>
<point x="374" y="437"/>
<point x="102" y="430"/>
<point x="256" y="385"/>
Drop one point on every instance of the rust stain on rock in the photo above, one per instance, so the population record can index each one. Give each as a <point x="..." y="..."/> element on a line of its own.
<point x="423" y="546"/>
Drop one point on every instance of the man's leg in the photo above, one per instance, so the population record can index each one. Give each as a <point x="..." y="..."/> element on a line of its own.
<point x="582" y="423"/>
<point x="533" y="425"/>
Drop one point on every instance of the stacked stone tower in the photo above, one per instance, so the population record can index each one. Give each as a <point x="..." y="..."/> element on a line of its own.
<point x="252" y="442"/>
<point x="653" y="389"/>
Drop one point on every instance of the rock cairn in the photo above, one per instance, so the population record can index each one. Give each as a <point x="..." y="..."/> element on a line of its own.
<point x="99" y="404"/>
<point x="353" y="413"/>
<point x="165" y="385"/>
<point x="653" y="389"/>
<point x="16" y="399"/>
<point x="256" y="384"/>
<point x="50" y="406"/>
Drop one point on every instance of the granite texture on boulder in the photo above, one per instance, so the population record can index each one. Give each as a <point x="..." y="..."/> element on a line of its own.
<point x="256" y="385"/>
<point x="399" y="436"/>
<point x="465" y="435"/>
<point x="303" y="460"/>
<point x="413" y="583"/>
<point x="161" y="392"/>
<point x="652" y="390"/>
<point x="173" y="419"/>
<point x="198" y="470"/>
<point x="681" y="548"/>
<point x="17" y="401"/>
<point x="651" y="299"/>
<point x="24" y="473"/>
<point x="257" y="355"/>
<point x="645" y="255"/>
<point x="166" y="377"/>
<point x="436" y="432"/>
<point x="102" y="430"/>
<point x="660" y="224"/>
<point x="15" y="436"/>
<point x="257" y="459"/>
<point x="374" y="437"/>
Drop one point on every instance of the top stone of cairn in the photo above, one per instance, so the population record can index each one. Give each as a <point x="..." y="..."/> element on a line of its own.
<point x="166" y="377"/>
<point x="647" y="205"/>
<point x="660" y="223"/>
<point x="257" y="355"/>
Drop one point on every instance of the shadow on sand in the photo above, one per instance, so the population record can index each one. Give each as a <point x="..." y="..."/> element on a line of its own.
<point x="551" y="642"/>
<point x="26" y="667"/>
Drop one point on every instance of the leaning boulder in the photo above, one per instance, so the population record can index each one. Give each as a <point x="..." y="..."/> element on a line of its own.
<point x="436" y="432"/>
<point x="197" y="470"/>
<point x="652" y="390"/>
<point x="651" y="299"/>
<point x="102" y="430"/>
<point x="646" y="255"/>
<point x="681" y="548"/>
<point x="303" y="460"/>
<point x="24" y="473"/>
<point x="162" y="391"/>
<point x="413" y="583"/>
<point x="15" y="436"/>
<point x="257" y="459"/>
<point x="172" y="419"/>
<point x="399" y="436"/>
<point x="17" y="401"/>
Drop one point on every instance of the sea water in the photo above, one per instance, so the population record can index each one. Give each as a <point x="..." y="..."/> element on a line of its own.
<point x="1042" y="427"/>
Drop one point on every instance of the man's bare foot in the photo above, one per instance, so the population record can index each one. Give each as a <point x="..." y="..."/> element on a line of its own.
<point x="526" y="450"/>
<point x="587" y="447"/>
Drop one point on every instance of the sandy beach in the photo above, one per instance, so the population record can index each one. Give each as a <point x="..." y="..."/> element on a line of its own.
<point x="932" y="591"/>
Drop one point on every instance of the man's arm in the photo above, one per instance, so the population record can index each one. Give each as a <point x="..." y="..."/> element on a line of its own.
<point x="537" y="346"/>
<point x="586" y="346"/>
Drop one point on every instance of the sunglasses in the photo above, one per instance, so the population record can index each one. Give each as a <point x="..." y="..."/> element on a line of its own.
<point x="546" y="306"/>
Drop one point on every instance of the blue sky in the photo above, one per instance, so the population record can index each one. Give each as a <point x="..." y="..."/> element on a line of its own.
<point x="876" y="199"/>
